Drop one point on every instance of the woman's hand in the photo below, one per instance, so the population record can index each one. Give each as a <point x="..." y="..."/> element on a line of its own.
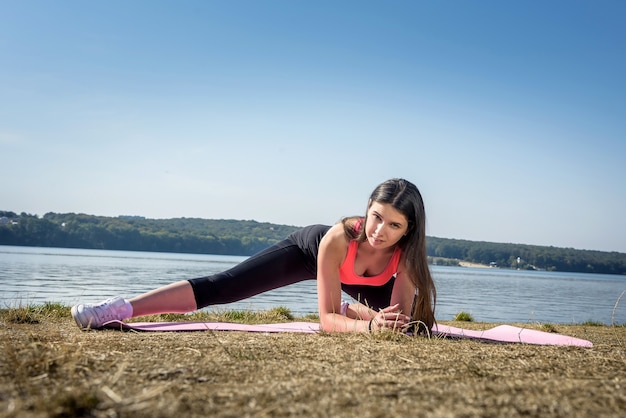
<point x="389" y="318"/>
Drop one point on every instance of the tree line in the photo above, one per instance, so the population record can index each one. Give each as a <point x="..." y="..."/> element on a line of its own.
<point x="528" y="257"/>
<point x="246" y="237"/>
<point x="133" y="233"/>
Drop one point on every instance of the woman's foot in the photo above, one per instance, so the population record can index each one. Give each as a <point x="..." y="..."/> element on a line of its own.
<point x="95" y="316"/>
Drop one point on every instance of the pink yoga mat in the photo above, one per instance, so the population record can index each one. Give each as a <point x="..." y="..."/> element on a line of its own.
<point x="501" y="333"/>
<point x="307" y="327"/>
<point x="511" y="334"/>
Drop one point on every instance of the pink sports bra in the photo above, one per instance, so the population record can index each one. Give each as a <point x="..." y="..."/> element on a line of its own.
<point x="346" y="270"/>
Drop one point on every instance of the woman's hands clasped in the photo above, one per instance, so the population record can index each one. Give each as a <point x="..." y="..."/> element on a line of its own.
<point x="390" y="318"/>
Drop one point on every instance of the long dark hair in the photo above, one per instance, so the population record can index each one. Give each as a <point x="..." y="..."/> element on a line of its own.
<point x="404" y="196"/>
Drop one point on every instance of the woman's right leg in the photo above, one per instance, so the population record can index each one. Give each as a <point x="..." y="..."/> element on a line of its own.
<point x="174" y="298"/>
<point x="277" y="266"/>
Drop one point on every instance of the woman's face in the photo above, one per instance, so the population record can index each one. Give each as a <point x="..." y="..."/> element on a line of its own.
<point x="385" y="225"/>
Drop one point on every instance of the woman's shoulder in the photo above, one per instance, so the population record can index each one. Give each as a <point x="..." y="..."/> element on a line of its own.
<point x="335" y="238"/>
<point x="337" y="232"/>
<point x="334" y="245"/>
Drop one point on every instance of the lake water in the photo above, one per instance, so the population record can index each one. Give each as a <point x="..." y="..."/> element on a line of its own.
<point x="33" y="275"/>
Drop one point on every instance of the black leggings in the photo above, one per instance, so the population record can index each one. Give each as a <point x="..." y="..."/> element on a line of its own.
<point x="290" y="261"/>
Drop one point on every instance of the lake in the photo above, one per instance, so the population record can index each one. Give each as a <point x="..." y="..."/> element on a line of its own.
<point x="34" y="275"/>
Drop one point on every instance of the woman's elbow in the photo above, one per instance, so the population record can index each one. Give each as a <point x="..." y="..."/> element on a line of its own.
<point x="328" y="322"/>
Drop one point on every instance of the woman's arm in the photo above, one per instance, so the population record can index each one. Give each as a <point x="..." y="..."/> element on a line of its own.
<point x="332" y="251"/>
<point x="358" y="310"/>
<point x="403" y="292"/>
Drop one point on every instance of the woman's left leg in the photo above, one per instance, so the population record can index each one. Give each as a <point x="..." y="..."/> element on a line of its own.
<point x="177" y="297"/>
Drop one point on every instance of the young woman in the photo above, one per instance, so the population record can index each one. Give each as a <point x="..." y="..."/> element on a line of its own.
<point x="379" y="260"/>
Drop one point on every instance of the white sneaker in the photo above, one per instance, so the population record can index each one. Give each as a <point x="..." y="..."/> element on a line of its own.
<point x="95" y="316"/>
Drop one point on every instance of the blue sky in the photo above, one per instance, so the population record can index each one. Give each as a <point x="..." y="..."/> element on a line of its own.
<point x="509" y="116"/>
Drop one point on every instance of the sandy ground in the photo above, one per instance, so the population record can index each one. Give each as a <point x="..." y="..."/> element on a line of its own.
<point x="52" y="369"/>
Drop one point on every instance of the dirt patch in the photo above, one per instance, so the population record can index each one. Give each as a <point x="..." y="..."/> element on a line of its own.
<point x="51" y="368"/>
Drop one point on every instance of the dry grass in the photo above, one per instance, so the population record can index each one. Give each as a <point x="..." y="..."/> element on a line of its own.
<point x="49" y="368"/>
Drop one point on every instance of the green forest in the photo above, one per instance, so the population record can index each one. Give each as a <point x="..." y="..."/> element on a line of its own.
<point x="246" y="237"/>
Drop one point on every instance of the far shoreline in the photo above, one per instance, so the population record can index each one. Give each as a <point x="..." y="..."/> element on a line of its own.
<point x="473" y="265"/>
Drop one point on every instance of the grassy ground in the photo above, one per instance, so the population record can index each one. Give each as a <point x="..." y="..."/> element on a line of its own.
<point x="48" y="367"/>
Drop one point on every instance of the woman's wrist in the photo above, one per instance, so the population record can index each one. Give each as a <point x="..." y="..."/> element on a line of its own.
<point x="344" y="308"/>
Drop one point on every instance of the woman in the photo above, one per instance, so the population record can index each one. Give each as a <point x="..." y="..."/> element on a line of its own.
<point x="379" y="260"/>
